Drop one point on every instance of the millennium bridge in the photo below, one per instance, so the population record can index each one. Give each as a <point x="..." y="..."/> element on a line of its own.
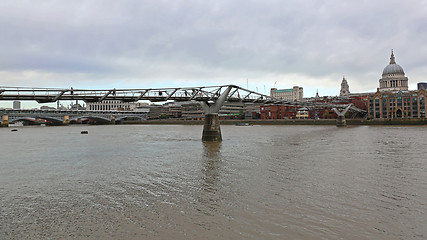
<point x="211" y="98"/>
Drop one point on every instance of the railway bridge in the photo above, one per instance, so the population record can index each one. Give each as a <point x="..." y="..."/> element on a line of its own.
<point x="64" y="117"/>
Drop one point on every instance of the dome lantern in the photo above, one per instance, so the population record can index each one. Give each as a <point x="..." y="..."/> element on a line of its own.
<point x="392" y="60"/>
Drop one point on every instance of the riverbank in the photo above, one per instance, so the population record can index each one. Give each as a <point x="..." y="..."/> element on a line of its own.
<point x="287" y="122"/>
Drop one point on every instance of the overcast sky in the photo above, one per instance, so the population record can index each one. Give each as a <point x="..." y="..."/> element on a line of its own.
<point x="262" y="44"/>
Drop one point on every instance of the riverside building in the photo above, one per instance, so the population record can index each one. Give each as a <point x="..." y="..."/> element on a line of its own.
<point x="17" y="105"/>
<point x="292" y="94"/>
<point x="111" y="105"/>
<point x="422" y="85"/>
<point x="392" y="99"/>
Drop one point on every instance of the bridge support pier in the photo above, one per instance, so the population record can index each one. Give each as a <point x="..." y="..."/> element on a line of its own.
<point x="211" y="128"/>
<point x="341" y="119"/>
<point x="112" y="119"/>
<point x="4" y="121"/>
<point x="66" y="121"/>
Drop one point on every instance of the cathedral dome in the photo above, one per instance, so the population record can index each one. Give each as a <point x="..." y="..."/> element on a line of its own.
<point x="393" y="78"/>
<point x="393" y="67"/>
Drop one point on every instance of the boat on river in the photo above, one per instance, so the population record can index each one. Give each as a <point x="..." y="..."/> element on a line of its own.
<point x="243" y="124"/>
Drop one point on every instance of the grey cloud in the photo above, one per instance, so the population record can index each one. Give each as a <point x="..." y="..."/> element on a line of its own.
<point x="194" y="39"/>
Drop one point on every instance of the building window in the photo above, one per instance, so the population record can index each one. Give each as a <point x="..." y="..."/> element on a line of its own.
<point x="384" y="108"/>
<point x="422" y="107"/>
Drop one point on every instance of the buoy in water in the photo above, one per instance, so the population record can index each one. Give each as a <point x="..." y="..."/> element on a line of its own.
<point x="14" y="130"/>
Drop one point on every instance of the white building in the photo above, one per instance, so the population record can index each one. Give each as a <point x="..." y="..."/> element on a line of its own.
<point x="111" y="105"/>
<point x="293" y="94"/>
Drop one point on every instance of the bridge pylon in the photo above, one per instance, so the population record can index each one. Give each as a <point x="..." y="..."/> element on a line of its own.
<point x="211" y="128"/>
<point x="341" y="118"/>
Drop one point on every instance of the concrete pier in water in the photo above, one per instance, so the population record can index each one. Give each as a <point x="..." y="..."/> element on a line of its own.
<point x="211" y="129"/>
<point x="66" y="121"/>
<point x="341" y="121"/>
<point x="4" y="121"/>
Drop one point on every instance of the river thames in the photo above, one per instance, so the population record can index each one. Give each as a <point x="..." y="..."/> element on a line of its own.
<point x="261" y="182"/>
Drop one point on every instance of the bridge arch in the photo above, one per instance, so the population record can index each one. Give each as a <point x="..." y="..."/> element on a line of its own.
<point x="52" y="120"/>
<point x="22" y="119"/>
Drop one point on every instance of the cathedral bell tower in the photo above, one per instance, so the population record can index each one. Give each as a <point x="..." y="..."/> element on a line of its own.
<point x="345" y="91"/>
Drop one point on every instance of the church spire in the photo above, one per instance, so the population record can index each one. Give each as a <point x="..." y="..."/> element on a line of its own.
<point x="392" y="60"/>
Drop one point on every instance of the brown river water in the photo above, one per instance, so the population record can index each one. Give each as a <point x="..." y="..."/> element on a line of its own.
<point x="261" y="182"/>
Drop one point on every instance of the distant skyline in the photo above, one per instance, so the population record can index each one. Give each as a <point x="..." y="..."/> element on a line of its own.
<point x="259" y="44"/>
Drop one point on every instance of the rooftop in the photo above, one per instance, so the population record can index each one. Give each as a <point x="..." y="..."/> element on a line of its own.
<point x="283" y="90"/>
